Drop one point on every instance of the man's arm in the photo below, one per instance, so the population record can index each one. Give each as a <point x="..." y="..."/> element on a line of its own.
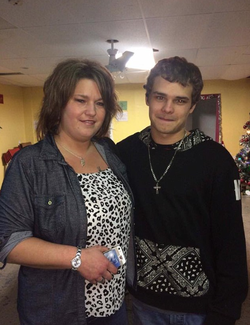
<point x="229" y="248"/>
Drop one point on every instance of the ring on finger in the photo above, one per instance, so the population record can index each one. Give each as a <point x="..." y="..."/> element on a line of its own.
<point x="102" y="280"/>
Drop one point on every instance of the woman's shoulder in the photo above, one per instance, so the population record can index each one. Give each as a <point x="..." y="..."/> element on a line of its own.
<point x="35" y="151"/>
<point x="27" y="151"/>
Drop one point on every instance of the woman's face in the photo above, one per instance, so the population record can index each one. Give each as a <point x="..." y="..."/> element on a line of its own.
<point x="84" y="113"/>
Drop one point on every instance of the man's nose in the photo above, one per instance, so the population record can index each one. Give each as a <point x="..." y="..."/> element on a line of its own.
<point x="168" y="106"/>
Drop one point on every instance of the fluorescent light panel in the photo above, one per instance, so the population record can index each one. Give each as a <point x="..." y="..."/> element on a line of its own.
<point x="143" y="59"/>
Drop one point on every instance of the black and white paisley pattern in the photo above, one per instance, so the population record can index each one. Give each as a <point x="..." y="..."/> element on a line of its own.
<point x="108" y="209"/>
<point x="196" y="137"/>
<point x="171" y="269"/>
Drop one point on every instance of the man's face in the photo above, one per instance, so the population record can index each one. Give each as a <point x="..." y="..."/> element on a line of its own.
<point x="169" y="107"/>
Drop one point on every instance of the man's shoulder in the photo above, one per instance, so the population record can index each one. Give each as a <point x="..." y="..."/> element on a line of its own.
<point x="130" y="147"/>
<point x="136" y="138"/>
<point x="105" y="142"/>
<point x="214" y="147"/>
<point x="132" y="139"/>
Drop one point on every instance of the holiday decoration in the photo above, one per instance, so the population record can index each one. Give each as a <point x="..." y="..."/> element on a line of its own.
<point x="242" y="159"/>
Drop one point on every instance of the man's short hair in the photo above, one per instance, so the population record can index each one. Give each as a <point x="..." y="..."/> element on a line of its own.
<point x="177" y="69"/>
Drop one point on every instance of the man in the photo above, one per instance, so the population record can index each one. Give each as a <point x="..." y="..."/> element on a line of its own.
<point x="189" y="237"/>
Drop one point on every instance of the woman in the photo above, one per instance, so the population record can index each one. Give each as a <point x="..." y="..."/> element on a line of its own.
<point x="65" y="201"/>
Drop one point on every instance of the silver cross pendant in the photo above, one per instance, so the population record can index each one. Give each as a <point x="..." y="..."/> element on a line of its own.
<point x="157" y="188"/>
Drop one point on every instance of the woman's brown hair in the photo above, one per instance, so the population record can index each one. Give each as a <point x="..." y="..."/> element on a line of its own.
<point x="60" y="86"/>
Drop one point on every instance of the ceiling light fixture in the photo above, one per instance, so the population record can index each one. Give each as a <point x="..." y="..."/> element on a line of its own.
<point x="117" y="64"/>
<point x="142" y="60"/>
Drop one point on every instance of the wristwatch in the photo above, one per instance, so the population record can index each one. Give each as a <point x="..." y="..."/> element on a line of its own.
<point x="76" y="262"/>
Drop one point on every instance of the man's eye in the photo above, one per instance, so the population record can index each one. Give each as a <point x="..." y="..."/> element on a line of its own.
<point x="181" y="101"/>
<point x="159" y="98"/>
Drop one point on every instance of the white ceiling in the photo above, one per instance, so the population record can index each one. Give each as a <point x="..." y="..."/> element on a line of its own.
<point x="36" y="34"/>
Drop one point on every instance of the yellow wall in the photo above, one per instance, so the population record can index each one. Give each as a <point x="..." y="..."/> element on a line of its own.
<point x="21" y="105"/>
<point x="11" y="120"/>
<point x="136" y="109"/>
<point x="32" y="103"/>
<point x="17" y="116"/>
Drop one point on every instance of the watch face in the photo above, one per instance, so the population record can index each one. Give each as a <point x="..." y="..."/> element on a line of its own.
<point x="76" y="262"/>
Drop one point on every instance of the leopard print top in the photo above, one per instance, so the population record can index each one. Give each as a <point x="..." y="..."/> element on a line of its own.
<point x="108" y="207"/>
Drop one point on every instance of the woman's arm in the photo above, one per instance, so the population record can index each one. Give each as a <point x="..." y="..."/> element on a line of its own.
<point x="37" y="253"/>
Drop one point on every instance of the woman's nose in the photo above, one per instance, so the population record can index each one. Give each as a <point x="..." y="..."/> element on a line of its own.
<point x="90" y="109"/>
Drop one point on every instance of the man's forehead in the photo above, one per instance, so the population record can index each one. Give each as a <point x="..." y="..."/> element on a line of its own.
<point x="165" y="87"/>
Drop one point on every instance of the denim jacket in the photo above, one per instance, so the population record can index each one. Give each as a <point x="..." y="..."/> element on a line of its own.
<point x="41" y="194"/>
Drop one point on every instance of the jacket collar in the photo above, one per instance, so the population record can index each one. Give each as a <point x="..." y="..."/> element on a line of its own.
<point x="49" y="150"/>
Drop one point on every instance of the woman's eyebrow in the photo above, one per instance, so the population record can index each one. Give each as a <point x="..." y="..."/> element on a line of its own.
<point x="86" y="96"/>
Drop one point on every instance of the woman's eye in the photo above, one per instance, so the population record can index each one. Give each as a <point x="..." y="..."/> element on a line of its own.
<point x="101" y="104"/>
<point x="82" y="101"/>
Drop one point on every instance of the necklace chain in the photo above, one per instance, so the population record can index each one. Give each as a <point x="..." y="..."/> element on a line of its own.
<point x="157" y="187"/>
<point x="82" y="160"/>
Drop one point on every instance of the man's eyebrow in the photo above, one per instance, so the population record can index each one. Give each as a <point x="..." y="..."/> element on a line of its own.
<point x="165" y="95"/>
<point x="182" y="97"/>
<point x="159" y="93"/>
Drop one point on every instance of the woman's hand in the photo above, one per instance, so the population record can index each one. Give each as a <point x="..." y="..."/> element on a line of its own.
<point x="37" y="253"/>
<point x="95" y="267"/>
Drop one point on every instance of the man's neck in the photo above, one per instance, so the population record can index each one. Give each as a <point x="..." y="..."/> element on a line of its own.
<point x="168" y="139"/>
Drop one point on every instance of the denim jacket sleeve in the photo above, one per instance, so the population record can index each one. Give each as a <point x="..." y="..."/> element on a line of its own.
<point x="16" y="211"/>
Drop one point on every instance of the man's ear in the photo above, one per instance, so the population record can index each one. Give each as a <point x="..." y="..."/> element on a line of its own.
<point x="192" y="109"/>
<point x="146" y="100"/>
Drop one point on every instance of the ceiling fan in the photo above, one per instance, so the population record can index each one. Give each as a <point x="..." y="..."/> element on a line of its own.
<point x="116" y="65"/>
<point x="10" y="73"/>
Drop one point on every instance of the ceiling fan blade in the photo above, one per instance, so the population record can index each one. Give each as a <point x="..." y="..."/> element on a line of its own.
<point x="9" y="73"/>
<point x="119" y="64"/>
